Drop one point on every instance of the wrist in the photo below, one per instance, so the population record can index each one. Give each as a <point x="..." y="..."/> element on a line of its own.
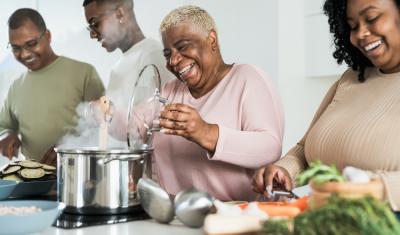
<point x="211" y="134"/>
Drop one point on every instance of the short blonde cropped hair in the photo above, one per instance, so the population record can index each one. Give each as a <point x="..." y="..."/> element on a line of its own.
<point x="189" y="14"/>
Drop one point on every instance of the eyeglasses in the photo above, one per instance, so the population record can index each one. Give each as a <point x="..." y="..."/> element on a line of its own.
<point x="29" y="46"/>
<point x="94" y="25"/>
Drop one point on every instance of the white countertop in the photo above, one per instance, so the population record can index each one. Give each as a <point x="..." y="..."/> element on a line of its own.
<point x="143" y="227"/>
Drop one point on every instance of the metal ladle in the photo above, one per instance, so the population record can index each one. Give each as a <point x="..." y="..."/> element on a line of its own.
<point x="155" y="201"/>
<point x="192" y="206"/>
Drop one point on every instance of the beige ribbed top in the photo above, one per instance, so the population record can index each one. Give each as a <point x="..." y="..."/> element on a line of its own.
<point x="357" y="124"/>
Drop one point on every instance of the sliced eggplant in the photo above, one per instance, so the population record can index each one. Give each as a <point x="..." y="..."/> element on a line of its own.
<point x="48" y="167"/>
<point x="31" y="174"/>
<point x="30" y="164"/>
<point x="11" y="169"/>
<point x="13" y="177"/>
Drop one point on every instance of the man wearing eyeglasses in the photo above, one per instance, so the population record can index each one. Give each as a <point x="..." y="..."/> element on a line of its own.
<point x="113" y="24"/>
<point x="40" y="106"/>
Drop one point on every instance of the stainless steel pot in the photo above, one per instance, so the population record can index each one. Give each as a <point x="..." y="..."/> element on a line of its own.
<point x="94" y="181"/>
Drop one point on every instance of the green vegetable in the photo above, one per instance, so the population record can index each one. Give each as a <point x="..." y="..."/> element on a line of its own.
<point x="319" y="173"/>
<point x="365" y="216"/>
<point x="277" y="227"/>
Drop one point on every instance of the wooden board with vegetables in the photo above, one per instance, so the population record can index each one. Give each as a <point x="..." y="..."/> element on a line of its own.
<point x="327" y="180"/>
<point x="336" y="206"/>
<point x="362" y="216"/>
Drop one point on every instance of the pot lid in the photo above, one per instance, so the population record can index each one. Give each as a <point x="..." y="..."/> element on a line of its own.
<point x="144" y="108"/>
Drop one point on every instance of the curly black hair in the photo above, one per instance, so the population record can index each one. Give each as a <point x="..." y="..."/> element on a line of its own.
<point x="344" y="50"/>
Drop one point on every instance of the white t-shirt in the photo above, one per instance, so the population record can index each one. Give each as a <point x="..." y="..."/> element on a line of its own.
<point x="126" y="71"/>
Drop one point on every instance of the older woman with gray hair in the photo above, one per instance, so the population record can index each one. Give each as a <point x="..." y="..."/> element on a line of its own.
<point x="224" y="120"/>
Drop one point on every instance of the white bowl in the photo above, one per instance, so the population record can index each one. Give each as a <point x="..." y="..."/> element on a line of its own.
<point x="29" y="223"/>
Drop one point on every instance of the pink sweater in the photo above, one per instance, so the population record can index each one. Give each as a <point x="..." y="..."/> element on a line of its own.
<point x="247" y="109"/>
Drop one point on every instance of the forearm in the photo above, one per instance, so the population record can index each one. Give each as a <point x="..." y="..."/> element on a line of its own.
<point x="117" y="127"/>
<point x="7" y="122"/>
<point x="210" y="138"/>
<point x="249" y="149"/>
<point x="294" y="161"/>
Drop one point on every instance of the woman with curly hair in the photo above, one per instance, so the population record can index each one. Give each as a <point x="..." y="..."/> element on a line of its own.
<point x="358" y="122"/>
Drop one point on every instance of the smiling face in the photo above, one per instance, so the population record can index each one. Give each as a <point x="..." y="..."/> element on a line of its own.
<point x="191" y="56"/>
<point x="375" y="31"/>
<point x="30" y="46"/>
<point x="104" y="23"/>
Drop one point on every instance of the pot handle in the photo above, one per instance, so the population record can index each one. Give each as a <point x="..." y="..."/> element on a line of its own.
<point x="108" y="159"/>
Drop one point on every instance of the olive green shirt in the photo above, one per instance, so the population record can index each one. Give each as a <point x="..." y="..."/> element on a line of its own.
<point x="41" y="105"/>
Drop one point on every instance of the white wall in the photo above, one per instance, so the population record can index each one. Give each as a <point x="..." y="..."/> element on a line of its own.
<point x="301" y="83"/>
<point x="273" y="34"/>
<point x="65" y="19"/>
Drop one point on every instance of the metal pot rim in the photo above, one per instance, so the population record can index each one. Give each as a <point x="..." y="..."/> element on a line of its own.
<point x="95" y="150"/>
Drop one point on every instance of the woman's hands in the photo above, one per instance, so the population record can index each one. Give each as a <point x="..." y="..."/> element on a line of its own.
<point x="271" y="177"/>
<point x="185" y="121"/>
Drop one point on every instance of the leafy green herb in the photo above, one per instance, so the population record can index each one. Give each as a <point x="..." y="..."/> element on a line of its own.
<point x="319" y="173"/>
<point x="277" y="227"/>
<point x="365" y="216"/>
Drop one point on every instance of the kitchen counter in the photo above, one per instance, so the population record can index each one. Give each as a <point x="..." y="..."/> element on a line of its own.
<point x="143" y="227"/>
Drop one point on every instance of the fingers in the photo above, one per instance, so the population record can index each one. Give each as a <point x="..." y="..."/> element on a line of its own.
<point x="284" y="180"/>
<point x="287" y="183"/>
<point x="178" y="107"/>
<point x="258" y="181"/>
<point x="15" y="147"/>
<point x="54" y="159"/>
<point x="175" y="132"/>
<point x="269" y="177"/>
<point x="45" y="156"/>
<point x="173" y="125"/>
<point x="175" y="115"/>
<point x="50" y="157"/>
<point x="11" y="148"/>
<point x="10" y="151"/>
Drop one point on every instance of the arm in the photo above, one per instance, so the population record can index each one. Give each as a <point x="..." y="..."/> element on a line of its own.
<point x="281" y="173"/>
<point x="9" y="142"/>
<point x="295" y="161"/>
<point x="258" y="139"/>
